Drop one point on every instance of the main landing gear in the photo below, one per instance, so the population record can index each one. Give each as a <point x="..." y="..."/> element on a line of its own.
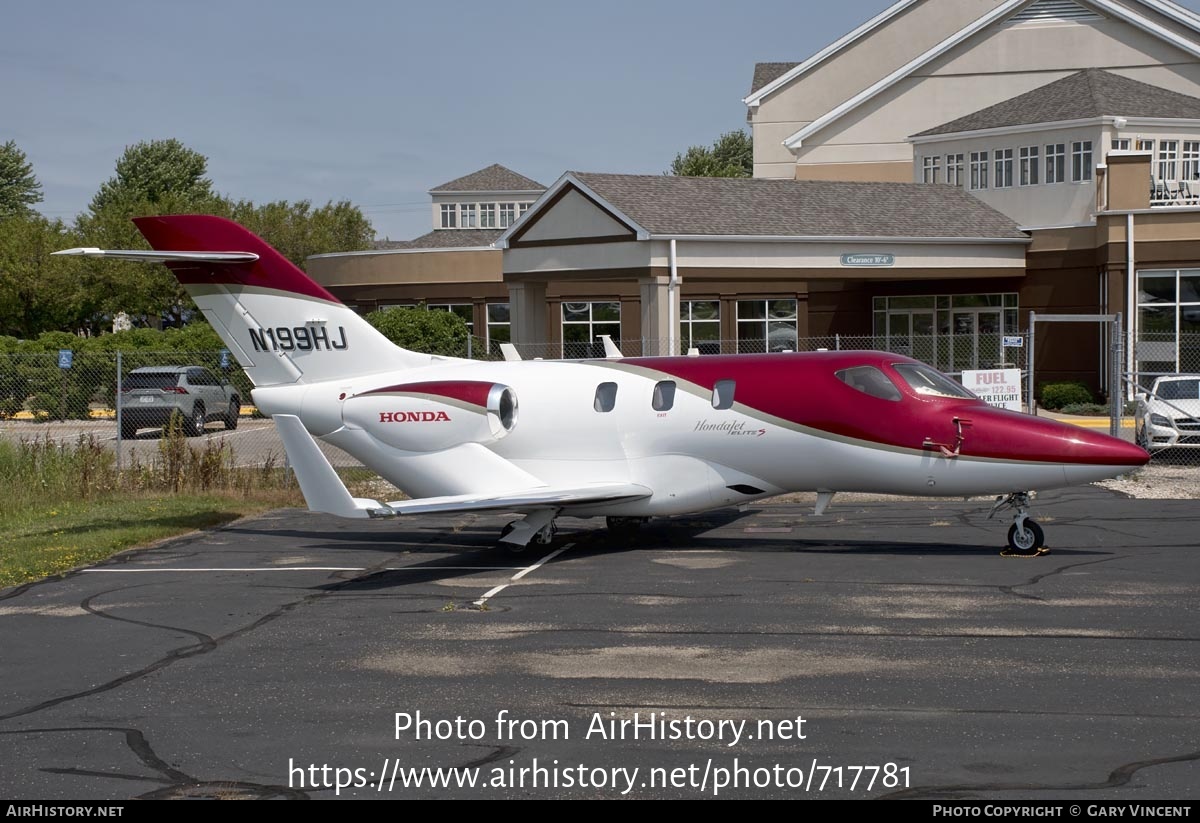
<point x="1025" y="537"/>
<point x="536" y="527"/>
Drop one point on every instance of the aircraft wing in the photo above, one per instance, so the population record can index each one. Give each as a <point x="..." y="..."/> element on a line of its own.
<point x="543" y="497"/>
<point x="325" y="492"/>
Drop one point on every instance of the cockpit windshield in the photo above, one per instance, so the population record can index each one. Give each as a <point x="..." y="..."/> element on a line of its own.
<point x="869" y="380"/>
<point x="930" y="381"/>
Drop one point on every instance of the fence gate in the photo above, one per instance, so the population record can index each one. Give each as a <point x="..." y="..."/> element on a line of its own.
<point x="1115" y="358"/>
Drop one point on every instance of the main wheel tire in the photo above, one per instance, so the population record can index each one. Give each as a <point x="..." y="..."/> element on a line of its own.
<point x="511" y="548"/>
<point x="231" y="416"/>
<point x="1030" y="539"/>
<point x="624" y="527"/>
<point x="194" y="425"/>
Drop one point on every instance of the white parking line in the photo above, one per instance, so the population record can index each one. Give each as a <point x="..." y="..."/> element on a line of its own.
<point x="521" y="569"/>
<point x="493" y="592"/>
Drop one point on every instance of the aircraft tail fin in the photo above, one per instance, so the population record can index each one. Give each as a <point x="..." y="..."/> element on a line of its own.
<point x="279" y="324"/>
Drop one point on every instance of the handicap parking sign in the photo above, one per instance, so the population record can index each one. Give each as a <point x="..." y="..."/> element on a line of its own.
<point x="65" y="357"/>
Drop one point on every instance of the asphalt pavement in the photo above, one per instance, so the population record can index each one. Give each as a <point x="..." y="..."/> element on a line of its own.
<point x="885" y="649"/>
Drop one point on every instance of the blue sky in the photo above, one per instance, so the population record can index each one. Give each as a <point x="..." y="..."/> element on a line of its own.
<point x="377" y="102"/>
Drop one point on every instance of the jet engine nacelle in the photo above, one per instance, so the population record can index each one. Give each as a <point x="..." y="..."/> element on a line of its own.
<point x="426" y="417"/>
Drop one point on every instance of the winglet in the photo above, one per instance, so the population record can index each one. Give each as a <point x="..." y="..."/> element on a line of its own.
<point x="611" y="350"/>
<point x="510" y="351"/>
<point x="323" y="490"/>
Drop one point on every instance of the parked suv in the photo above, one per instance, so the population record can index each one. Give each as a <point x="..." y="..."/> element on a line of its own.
<point x="150" y="395"/>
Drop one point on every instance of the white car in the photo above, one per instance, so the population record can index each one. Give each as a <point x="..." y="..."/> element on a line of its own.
<point x="1169" y="415"/>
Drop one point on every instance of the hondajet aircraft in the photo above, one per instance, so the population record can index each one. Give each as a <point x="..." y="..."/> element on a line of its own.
<point x="623" y="438"/>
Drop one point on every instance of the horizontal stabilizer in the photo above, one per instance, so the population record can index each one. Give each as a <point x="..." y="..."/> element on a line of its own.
<point x="164" y="256"/>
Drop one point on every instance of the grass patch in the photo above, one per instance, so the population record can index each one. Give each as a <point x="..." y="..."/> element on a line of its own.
<point x="46" y="540"/>
<point x="66" y="504"/>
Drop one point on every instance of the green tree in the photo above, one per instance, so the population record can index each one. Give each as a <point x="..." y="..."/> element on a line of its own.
<point x="39" y="292"/>
<point x="732" y="155"/>
<point x="153" y="171"/>
<point x="19" y="188"/>
<point x="152" y="177"/>
<point x="422" y="330"/>
<point x="297" y="230"/>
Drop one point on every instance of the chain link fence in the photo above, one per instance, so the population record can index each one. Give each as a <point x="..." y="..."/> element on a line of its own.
<point x="1165" y="386"/>
<point x="46" y="396"/>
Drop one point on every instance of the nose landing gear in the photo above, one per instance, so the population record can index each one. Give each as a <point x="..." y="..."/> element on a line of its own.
<point x="1025" y="537"/>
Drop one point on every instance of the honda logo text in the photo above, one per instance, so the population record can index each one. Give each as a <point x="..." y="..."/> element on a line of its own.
<point x="414" y="417"/>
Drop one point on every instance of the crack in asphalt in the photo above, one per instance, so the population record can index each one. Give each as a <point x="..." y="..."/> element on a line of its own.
<point x="1116" y="778"/>
<point x="1038" y="578"/>
<point x="176" y="783"/>
<point x="205" y="642"/>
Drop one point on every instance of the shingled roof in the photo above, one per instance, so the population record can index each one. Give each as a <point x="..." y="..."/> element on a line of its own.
<point x="445" y="239"/>
<point x="1084" y="95"/>
<point x="494" y="178"/>
<point x="668" y="205"/>
<point x="766" y="72"/>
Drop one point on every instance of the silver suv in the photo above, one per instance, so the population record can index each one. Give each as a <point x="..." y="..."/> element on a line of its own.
<point x="151" y="395"/>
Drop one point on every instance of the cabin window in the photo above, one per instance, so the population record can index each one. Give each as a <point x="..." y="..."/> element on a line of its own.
<point x="929" y="381"/>
<point x="869" y="380"/>
<point x="722" y="397"/>
<point x="664" y="395"/>
<point x="606" y="397"/>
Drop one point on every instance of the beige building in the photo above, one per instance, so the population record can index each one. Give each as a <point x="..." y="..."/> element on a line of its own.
<point x="921" y="185"/>
<point x="846" y="112"/>
<point x="454" y="267"/>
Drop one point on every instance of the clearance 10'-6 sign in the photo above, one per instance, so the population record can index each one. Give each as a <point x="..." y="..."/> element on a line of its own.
<point x="996" y="387"/>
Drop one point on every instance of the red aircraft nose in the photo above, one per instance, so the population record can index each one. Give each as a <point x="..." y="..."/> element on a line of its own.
<point x="1012" y="435"/>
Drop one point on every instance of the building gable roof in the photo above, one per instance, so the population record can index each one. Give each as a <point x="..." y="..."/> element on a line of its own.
<point x="1001" y="11"/>
<point x="1087" y="94"/>
<point x="791" y="71"/>
<point x="493" y="178"/>
<point x="445" y="239"/>
<point x="664" y="205"/>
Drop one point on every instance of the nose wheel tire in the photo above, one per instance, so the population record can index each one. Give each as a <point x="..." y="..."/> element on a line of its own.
<point x="1027" y="539"/>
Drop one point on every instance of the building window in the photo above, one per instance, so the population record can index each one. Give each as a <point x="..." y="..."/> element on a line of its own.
<point x="449" y="216"/>
<point x="1168" y="322"/>
<point x="1056" y="162"/>
<point x="700" y="325"/>
<point x="487" y="215"/>
<point x="1004" y="168"/>
<point x="582" y="323"/>
<point x="1081" y="161"/>
<point x="1191" y="160"/>
<point x="949" y="332"/>
<point x="930" y="169"/>
<point x="954" y="169"/>
<point x="508" y="214"/>
<point x="468" y="214"/>
<point x="1168" y="157"/>
<point x="1145" y="145"/>
<point x="979" y="170"/>
<point x="499" y="329"/>
<point x="522" y="208"/>
<point x="464" y="310"/>
<point x="1120" y="144"/>
<point x="1029" y="165"/>
<point x="766" y="325"/>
